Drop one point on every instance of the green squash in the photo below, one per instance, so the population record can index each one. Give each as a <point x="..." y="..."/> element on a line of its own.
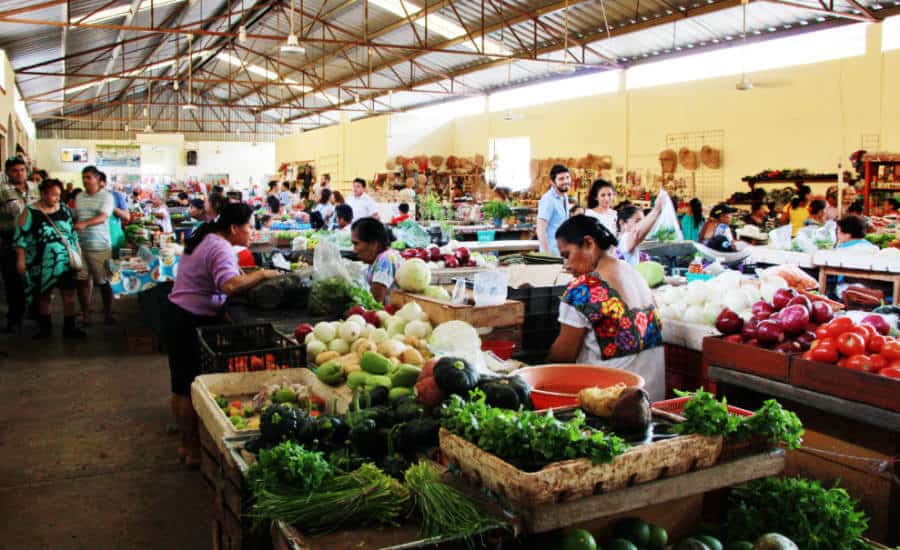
<point x="455" y="375"/>
<point x="506" y="392"/>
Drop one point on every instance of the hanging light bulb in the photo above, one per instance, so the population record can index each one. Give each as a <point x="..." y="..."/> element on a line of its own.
<point x="175" y="85"/>
<point x="292" y="45"/>
<point x="189" y="106"/>
<point x="242" y="34"/>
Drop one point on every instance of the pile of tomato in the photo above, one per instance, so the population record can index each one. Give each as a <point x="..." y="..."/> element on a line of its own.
<point x="856" y="347"/>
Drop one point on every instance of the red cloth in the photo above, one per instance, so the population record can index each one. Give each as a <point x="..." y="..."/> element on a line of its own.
<point x="401" y="218"/>
<point x="245" y="258"/>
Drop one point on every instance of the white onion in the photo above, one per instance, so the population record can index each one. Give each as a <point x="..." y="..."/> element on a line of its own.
<point x="710" y="312"/>
<point x="752" y="293"/>
<point x="694" y="314"/>
<point x="735" y="300"/>
<point x="696" y="293"/>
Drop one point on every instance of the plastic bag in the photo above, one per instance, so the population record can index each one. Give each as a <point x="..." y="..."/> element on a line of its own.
<point x="667" y="228"/>
<point x="780" y="237"/>
<point x="792" y="275"/>
<point x="327" y="262"/>
<point x="804" y="241"/>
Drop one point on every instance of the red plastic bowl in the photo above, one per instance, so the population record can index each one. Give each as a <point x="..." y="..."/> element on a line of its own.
<point x="558" y="385"/>
<point x="501" y="348"/>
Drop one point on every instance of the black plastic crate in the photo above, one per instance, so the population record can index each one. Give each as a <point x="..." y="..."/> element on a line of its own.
<point x="538" y="300"/>
<point x="540" y="331"/>
<point x="250" y="347"/>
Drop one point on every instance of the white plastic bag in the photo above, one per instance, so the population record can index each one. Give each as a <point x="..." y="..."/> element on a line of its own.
<point x="780" y="237"/>
<point x="327" y="262"/>
<point x="667" y="227"/>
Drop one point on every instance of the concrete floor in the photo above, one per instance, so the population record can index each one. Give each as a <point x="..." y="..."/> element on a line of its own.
<point x="85" y="457"/>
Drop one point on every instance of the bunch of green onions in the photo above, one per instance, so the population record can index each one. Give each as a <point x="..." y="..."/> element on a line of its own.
<point x="366" y="495"/>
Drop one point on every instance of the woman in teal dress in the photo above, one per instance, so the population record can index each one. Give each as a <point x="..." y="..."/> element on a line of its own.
<point x="43" y="258"/>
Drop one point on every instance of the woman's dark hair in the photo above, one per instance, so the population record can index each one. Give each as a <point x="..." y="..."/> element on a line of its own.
<point x="47" y="184"/>
<point x="338" y="197"/>
<point x="696" y="211"/>
<point x="198" y="204"/>
<point x="183" y="196"/>
<point x="802" y="193"/>
<point x="626" y="213"/>
<point x="598" y="184"/>
<point x="44" y="174"/>
<point x="856" y="207"/>
<point x="273" y="185"/>
<point x="370" y="230"/>
<point x="325" y="197"/>
<point x="218" y="189"/>
<point x="854" y="226"/>
<point x="895" y="204"/>
<point x="576" y="228"/>
<point x="403" y="208"/>
<point x="816" y="206"/>
<point x="217" y="202"/>
<point x="274" y="204"/>
<point x="232" y="214"/>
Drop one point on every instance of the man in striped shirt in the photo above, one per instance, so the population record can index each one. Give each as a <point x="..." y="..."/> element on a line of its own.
<point x="92" y="211"/>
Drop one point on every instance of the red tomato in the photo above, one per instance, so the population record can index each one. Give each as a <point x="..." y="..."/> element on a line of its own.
<point x="878" y="362"/>
<point x="890" y="349"/>
<point x="891" y="372"/>
<point x="822" y="332"/>
<point x="869" y="328"/>
<point x="808" y="356"/>
<point x="827" y="342"/>
<point x="862" y="330"/>
<point x="824" y="354"/>
<point x="851" y="343"/>
<point x="876" y="342"/>
<point x="842" y="362"/>
<point x="860" y="362"/>
<point x="838" y="326"/>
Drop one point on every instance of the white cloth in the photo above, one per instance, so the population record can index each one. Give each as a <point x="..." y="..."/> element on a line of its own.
<point x="165" y="222"/>
<point x="363" y="206"/>
<point x="608" y="219"/>
<point x="649" y="364"/>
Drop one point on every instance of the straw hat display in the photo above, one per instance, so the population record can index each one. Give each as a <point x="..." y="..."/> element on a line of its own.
<point x="451" y="162"/>
<point x="687" y="158"/>
<point x="436" y="161"/>
<point x="668" y="160"/>
<point x="389" y="164"/>
<point x="604" y="162"/>
<point x="711" y="158"/>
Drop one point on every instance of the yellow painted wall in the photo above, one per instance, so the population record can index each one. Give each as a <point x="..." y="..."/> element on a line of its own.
<point x="7" y="95"/>
<point x="810" y="116"/>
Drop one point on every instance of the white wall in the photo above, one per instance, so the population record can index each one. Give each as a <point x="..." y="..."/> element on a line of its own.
<point x="165" y="154"/>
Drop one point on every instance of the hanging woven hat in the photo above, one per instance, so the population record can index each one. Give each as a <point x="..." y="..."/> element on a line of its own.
<point x="436" y="161"/>
<point x="571" y="162"/>
<point x="711" y="158"/>
<point x="687" y="158"/>
<point x="451" y="162"/>
<point x="389" y="164"/>
<point x="604" y="162"/>
<point x="668" y="160"/>
<point x="400" y="161"/>
<point x="412" y="165"/>
<point x="422" y="161"/>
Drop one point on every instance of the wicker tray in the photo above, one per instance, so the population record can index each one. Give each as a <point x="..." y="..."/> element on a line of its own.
<point x="574" y="479"/>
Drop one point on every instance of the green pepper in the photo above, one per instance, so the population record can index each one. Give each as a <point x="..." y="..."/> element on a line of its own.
<point x="221" y="402"/>
<point x="398" y="392"/>
<point x="404" y="375"/>
<point x="365" y="438"/>
<point x="375" y="380"/>
<point x="357" y="379"/>
<point x="331" y="373"/>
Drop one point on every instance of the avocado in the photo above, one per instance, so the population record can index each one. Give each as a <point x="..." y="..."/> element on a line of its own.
<point x="634" y="529"/>
<point x="631" y="411"/>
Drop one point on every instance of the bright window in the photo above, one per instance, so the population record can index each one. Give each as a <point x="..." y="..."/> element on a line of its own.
<point x="803" y="49"/>
<point x="513" y="162"/>
<point x="558" y="90"/>
<point x="890" y="33"/>
<point x="452" y="109"/>
<point x="2" y="69"/>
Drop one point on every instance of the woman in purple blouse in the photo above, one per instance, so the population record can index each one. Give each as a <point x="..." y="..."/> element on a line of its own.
<point x="208" y="274"/>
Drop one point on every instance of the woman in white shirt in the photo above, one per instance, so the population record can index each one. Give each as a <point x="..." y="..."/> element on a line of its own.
<point x="607" y="315"/>
<point x="600" y="200"/>
<point x="325" y="208"/>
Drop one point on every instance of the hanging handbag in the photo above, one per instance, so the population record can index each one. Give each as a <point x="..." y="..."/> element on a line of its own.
<point x="75" y="263"/>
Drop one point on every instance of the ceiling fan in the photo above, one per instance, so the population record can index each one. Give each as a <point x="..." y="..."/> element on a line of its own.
<point x="745" y="84"/>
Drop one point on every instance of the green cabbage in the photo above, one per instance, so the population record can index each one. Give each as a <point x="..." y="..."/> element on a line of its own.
<point x="437" y="293"/>
<point x="652" y="272"/>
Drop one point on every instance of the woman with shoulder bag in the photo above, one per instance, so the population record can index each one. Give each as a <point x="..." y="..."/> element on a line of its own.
<point x="48" y="257"/>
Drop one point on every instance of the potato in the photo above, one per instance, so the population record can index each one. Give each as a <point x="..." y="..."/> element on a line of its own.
<point x="411" y="356"/>
<point x="412" y="341"/>
<point x="351" y="368"/>
<point x="368" y="345"/>
<point x="326" y="356"/>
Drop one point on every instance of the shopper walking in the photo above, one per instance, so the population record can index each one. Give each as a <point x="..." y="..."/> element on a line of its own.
<point x="553" y="208"/>
<point x="362" y="204"/>
<point x="44" y="242"/>
<point x="92" y="211"/>
<point x="600" y="201"/>
<point x="634" y="227"/>
<point x="15" y="195"/>
<point x="120" y="215"/>
<point x="208" y="274"/>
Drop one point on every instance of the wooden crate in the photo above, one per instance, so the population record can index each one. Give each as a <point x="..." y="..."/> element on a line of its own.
<point x="864" y="387"/>
<point x="574" y="479"/>
<point x="214" y="420"/>
<point x="750" y="359"/>
<point x="507" y="314"/>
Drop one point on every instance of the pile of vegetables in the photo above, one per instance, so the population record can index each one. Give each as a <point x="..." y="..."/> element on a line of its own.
<point x="527" y="437"/>
<point x="881" y="240"/>
<point x="865" y="347"/>
<point x="333" y="295"/>
<point x="445" y="257"/>
<point x="700" y="302"/>
<point x="705" y="415"/>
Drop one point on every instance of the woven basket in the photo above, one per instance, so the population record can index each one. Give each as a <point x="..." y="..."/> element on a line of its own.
<point x="687" y="158"/>
<point x="400" y="161"/>
<point x="668" y="160"/>
<point x="389" y="165"/>
<point x="451" y="162"/>
<point x="436" y="161"/>
<point x="710" y="157"/>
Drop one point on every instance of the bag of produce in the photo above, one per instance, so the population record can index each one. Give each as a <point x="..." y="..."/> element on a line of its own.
<point x="666" y="227"/>
<point x="412" y="234"/>
<point x="780" y="237"/>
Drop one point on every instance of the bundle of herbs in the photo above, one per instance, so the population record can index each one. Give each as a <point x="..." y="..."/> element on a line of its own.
<point x="704" y="414"/>
<point x="527" y="438"/>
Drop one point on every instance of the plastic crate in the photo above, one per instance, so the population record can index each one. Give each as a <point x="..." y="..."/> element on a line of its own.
<point x="698" y="277"/>
<point x="676" y="406"/>
<point x="486" y="236"/>
<point x="231" y="348"/>
<point x="542" y="300"/>
<point x="540" y="331"/>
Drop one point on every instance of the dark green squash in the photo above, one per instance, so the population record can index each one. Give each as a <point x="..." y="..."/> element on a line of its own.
<point x="455" y="375"/>
<point x="507" y="392"/>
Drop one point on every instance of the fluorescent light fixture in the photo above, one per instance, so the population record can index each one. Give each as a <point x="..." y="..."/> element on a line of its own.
<point x="439" y="24"/>
<point x="292" y="45"/>
<point x="188" y="107"/>
<point x="122" y="11"/>
<point x="251" y="68"/>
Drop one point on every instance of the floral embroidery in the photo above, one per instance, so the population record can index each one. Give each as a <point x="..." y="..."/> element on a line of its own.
<point x="619" y="330"/>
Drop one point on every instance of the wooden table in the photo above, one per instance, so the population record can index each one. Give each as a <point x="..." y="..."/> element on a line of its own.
<point x="893" y="278"/>
<point x="844" y="440"/>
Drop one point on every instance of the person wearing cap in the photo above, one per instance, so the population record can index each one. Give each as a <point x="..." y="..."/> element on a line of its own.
<point x="718" y="224"/>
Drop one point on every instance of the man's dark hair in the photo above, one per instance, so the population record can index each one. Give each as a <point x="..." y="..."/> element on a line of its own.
<point x="198" y="204"/>
<point x="360" y="181"/>
<point x="344" y="212"/>
<point x="404" y="208"/>
<point x="91" y="170"/>
<point x="816" y="206"/>
<point x="183" y="196"/>
<point x="854" y="226"/>
<point x="755" y="205"/>
<point x="218" y="189"/>
<point x="855" y="208"/>
<point x="556" y="170"/>
<point x="44" y="175"/>
<point x="13" y="161"/>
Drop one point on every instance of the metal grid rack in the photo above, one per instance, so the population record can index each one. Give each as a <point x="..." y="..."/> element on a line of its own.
<point x="704" y="183"/>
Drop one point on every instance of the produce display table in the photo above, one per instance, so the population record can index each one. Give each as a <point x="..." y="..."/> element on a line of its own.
<point x="846" y="440"/>
<point x="893" y="278"/>
<point x="504" y="246"/>
<point x="668" y="249"/>
<point x="774" y="256"/>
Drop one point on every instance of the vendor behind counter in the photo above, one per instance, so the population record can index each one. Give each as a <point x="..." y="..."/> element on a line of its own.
<point x="607" y="315"/>
<point x="371" y="243"/>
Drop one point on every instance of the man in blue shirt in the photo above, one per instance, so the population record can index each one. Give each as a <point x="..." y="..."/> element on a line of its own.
<point x="553" y="209"/>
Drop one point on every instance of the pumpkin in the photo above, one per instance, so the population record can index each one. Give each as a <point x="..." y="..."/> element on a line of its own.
<point x="506" y="392"/>
<point x="455" y="375"/>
